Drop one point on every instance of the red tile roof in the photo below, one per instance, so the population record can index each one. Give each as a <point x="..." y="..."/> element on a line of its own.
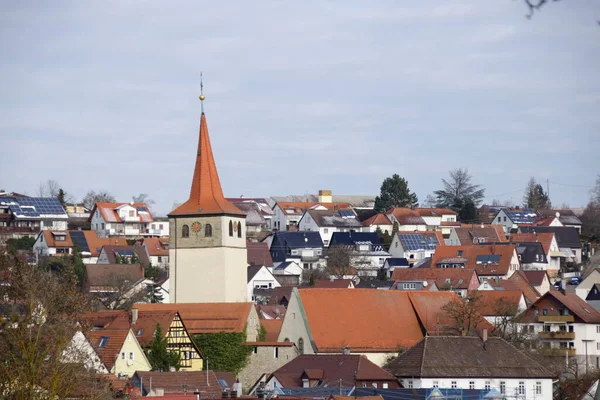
<point x="272" y="327"/>
<point x="468" y="234"/>
<point x="94" y="243"/>
<point x="298" y="207"/>
<point x="468" y="255"/>
<point x="207" y="317"/>
<point x="494" y="302"/>
<point x="206" y="194"/>
<point x="115" y="338"/>
<point x="258" y="254"/>
<point x="545" y="238"/>
<point x="459" y="278"/>
<point x="518" y="281"/>
<point x="156" y="246"/>
<point x="577" y="306"/>
<point x="434" y="212"/>
<point x="406" y="216"/>
<point x="377" y="219"/>
<point x="110" y="214"/>
<point x="334" y="283"/>
<point x="536" y="278"/>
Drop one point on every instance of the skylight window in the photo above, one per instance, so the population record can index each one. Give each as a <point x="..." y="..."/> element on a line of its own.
<point x="103" y="342"/>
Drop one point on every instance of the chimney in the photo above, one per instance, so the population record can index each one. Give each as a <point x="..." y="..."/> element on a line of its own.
<point x="485" y="336"/>
<point x="134" y="315"/>
<point x="463" y="333"/>
<point x="325" y="196"/>
<point x="237" y="389"/>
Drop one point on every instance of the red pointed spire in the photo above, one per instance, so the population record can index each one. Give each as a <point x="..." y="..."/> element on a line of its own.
<point x="206" y="195"/>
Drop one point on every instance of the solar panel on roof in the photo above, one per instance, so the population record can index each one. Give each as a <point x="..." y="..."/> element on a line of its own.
<point x="413" y="242"/>
<point x="144" y="209"/>
<point x="78" y="239"/>
<point x="346" y="213"/>
<point x="487" y="259"/>
<point x="125" y="253"/>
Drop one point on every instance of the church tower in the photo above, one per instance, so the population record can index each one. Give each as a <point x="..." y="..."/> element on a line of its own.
<point x="207" y="238"/>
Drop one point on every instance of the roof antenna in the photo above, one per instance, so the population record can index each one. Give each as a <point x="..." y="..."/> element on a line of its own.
<point x="201" y="97"/>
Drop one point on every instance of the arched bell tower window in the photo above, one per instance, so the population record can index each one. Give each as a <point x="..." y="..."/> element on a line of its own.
<point x="239" y="226"/>
<point x="230" y="228"/>
<point x="208" y="230"/>
<point x="301" y="345"/>
<point x="185" y="231"/>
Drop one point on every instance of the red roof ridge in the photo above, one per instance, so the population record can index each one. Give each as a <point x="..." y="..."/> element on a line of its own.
<point x="206" y="194"/>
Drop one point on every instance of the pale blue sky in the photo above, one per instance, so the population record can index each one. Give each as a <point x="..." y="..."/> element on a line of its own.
<point x="301" y="96"/>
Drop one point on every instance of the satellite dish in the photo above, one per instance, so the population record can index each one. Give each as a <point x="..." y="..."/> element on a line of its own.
<point x="424" y="283"/>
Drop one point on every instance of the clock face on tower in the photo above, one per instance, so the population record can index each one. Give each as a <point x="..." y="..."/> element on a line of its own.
<point x="196" y="226"/>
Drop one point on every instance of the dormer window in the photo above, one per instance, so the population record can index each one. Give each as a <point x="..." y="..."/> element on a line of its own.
<point x="103" y="342"/>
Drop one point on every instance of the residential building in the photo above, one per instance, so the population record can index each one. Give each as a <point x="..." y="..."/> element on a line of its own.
<point x="415" y="246"/>
<point x="326" y="196"/>
<point x="303" y="248"/>
<point x="258" y="254"/>
<point x="157" y="250"/>
<point x="467" y="234"/>
<point x="377" y="284"/>
<point x="517" y="281"/>
<point x="415" y="285"/>
<point x="130" y="220"/>
<point x="143" y="323"/>
<point x="583" y="289"/>
<point x="565" y="216"/>
<point x="553" y="256"/>
<point x="81" y="351"/>
<point x="459" y="281"/>
<point x="289" y="273"/>
<point x="533" y="257"/>
<point x="159" y="384"/>
<point x="27" y="216"/>
<point x="378" y="221"/>
<point x="489" y="260"/>
<point x="159" y="228"/>
<point x="207" y="239"/>
<point x="439" y="219"/>
<point x="110" y="280"/>
<point x="567" y="239"/>
<point x="466" y="362"/>
<point x="61" y="243"/>
<point x="593" y="297"/>
<point x="287" y="214"/>
<point x="123" y="255"/>
<point x="313" y="371"/>
<point x="334" y="284"/>
<point x="266" y="211"/>
<point x="513" y="219"/>
<point x="255" y="220"/>
<point x="366" y="251"/>
<point x="327" y="222"/>
<point x="407" y="219"/>
<point x="392" y="263"/>
<point x="539" y="280"/>
<point x="119" y="351"/>
<point x="324" y="321"/>
<point x="565" y="325"/>
<point x="259" y="277"/>
<point x="497" y="306"/>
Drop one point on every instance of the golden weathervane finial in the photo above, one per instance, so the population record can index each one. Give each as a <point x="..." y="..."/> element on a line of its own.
<point x="201" y="97"/>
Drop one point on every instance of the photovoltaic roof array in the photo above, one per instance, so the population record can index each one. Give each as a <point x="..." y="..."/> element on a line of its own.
<point x="33" y="206"/>
<point x="415" y="241"/>
<point x="78" y="239"/>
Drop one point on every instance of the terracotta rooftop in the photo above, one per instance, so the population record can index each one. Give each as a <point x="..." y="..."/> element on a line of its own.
<point x="206" y="194"/>
<point x="207" y="317"/>
<point x="333" y="283"/>
<point x="576" y="305"/>
<point x="156" y="246"/>
<point x="459" y="278"/>
<point x="470" y="234"/>
<point x="174" y="382"/>
<point x="471" y="256"/>
<point x="258" y="254"/>
<point x="497" y="302"/>
<point x="434" y="212"/>
<point x="108" y="344"/>
<point x="90" y="239"/>
<point x="377" y="219"/>
<point x="544" y="238"/>
<point x="518" y="281"/>
<point x="406" y="216"/>
<point x="109" y="211"/>
<point x="272" y="327"/>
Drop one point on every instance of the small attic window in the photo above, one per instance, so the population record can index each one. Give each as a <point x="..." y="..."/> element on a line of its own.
<point x="103" y="342"/>
<point x="459" y="253"/>
<point x="139" y="332"/>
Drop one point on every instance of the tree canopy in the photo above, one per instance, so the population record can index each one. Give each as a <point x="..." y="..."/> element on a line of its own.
<point x="535" y="198"/>
<point x="158" y="354"/>
<point x="395" y="193"/>
<point x="457" y="190"/>
<point x="92" y="197"/>
<point x="591" y="215"/>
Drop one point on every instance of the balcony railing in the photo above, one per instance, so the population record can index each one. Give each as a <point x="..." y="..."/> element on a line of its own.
<point x="555" y="318"/>
<point x="557" y="335"/>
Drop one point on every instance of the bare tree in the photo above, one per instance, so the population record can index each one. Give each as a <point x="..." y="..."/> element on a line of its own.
<point x="120" y="292"/>
<point x="49" y="188"/>
<point x="339" y="262"/>
<point x="465" y="312"/>
<point x="506" y="322"/>
<point x="430" y="201"/>
<point x="41" y="323"/>
<point x="143" y="198"/>
<point x="92" y="197"/>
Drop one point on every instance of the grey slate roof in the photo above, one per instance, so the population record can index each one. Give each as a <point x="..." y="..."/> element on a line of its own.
<point x="332" y="218"/>
<point x="566" y="236"/>
<point x="466" y="357"/>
